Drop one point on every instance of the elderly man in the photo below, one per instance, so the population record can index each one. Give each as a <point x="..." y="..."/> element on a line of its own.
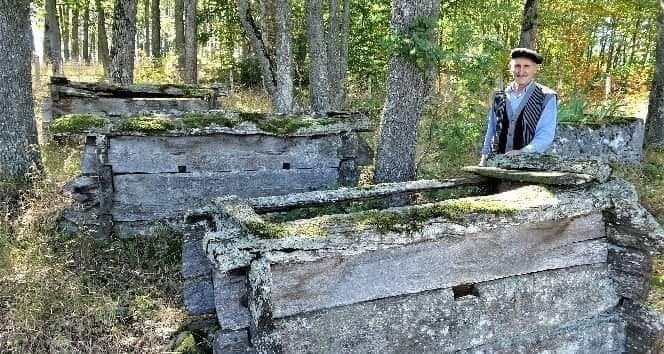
<point x="523" y="117"/>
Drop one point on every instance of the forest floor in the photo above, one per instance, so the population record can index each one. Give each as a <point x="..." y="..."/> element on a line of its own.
<point x="60" y="294"/>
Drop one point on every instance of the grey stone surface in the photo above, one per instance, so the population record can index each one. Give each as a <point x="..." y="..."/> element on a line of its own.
<point x="133" y="154"/>
<point x="232" y="342"/>
<point x="230" y="296"/>
<point x="630" y="269"/>
<point x="199" y="295"/>
<point x="644" y="329"/>
<point x="336" y="280"/>
<point x="539" y="177"/>
<point x="615" y="143"/>
<point x="435" y="321"/>
<point x="194" y="260"/>
<point x="602" y="334"/>
<point x="117" y="107"/>
<point x="156" y="196"/>
<point x="594" y="169"/>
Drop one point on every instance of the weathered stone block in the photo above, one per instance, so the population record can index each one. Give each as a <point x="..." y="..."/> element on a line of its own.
<point x="436" y="321"/>
<point x="199" y="295"/>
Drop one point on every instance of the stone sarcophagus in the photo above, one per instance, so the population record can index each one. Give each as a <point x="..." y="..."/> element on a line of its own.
<point x="535" y="268"/>
<point x="145" y="170"/>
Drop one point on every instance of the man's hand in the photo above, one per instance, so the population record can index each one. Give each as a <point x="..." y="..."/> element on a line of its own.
<point x="482" y="162"/>
<point x="513" y="153"/>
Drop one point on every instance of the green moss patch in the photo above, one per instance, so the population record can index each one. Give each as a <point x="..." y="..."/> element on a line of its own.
<point x="77" y="123"/>
<point x="148" y="125"/>
<point x="270" y="230"/>
<point x="197" y="120"/>
<point x="281" y="126"/>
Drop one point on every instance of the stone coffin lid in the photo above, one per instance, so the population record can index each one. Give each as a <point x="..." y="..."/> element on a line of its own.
<point x="211" y="122"/>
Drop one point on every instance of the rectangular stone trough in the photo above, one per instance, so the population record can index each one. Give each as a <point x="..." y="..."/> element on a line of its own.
<point x="523" y="271"/>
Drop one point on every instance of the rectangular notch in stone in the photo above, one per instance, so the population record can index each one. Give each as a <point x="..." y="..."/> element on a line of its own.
<point x="182" y="169"/>
<point x="465" y="290"/>
<point x="286" y="166"/>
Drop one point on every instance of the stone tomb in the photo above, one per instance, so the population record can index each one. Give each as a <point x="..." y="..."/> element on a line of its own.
<point x="535" y="268"/>
<point x="144" y="171"/>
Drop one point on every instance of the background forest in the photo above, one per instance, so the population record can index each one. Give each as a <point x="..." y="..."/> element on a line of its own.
<point x="79" y="295"/>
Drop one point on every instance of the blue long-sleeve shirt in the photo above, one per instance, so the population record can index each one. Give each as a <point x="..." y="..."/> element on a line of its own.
<point x="546" y="126"/>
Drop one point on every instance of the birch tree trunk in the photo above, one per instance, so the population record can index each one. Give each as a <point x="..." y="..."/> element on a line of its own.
<point x="655" y="119"/>
<point x="283" y="102"/>
<point x="260" y="48"/>
<point x="102" y="39"/>
<point x="529" y="25"/>
<point x="179" y="35"/>
<point x="18" y="133"/>
<point x="52" y="38"/>
<point x="318" y="57"/>
<point x="122" y="47"/>
<point x="190" y="42"/>
<point x="75" y="43"/>
<point x="156" y="29"/>
<point x="408" y="89"/>
<point x="86" y="32"/>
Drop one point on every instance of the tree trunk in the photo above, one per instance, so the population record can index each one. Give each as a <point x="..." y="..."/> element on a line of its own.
<point x="18" y="133"/>
<point x="408" y="88"/>
<point x="337" y="52"/>
<point x="64" y="26"/>
<point x="655" y="119"/>
<point x="86" y="33"/>
<point x="179" y="35"/>
<point x="529" y="25"/>
<point x="190" y="42"/>
<point x="122" y="47"/>
<point x="102" y="39"/>
<point x="52" y="38"/>
<point x="146" y="25"/>
<point x="75" y="44"/>
<point x="156" y="29"/>
<point x="252" y="31"/>
<point x="318" y="57"/>
<point x="283" y="101"/>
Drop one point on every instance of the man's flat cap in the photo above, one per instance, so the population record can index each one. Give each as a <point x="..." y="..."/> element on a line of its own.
<point x="527" y="53"/>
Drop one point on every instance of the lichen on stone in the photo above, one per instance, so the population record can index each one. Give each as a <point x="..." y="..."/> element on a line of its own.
<point x="276" y="125"/>
<point x="77" y="123"/>
<point x="200" y="120"/>
<point x="147" y="125"/>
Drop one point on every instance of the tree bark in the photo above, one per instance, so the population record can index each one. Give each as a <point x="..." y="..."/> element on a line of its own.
<point x="75" y="44"/>
<point x="179" y="35"/>
<point x="408" y="89"/>
<point x="655" y="120"/>
<point x="122" y="47"/>
<point x="190" y="42"/>
<point x="156" y="29"/>
<point x="102" y="39"/>
<point x="65" y="35"/>
<point x="260" y="48"/>
<point x="337" y="50"/>
<point x="529" y="25"/>
<point x="18" y="133"/>
<point x="283" y="102"/>
<point x="86" y="32"/>
<point x="52" y="38"/>
<point x="318" y="57"/>
<point x="146" y="27"/>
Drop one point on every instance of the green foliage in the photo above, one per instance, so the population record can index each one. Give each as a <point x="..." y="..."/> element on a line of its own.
<point x="578" y="110"/>
<point x="417" y="45"/>
<point x="76" y="123"/>
<point x="147" y="125"/>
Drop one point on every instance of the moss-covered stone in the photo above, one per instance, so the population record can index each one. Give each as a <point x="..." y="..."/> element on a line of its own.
<point x="276" y="125"/>
<point x="148" y="125"/>
<point x="198" y="120"/>
<point x="269" y="230"/>
<point x="77" y="123"/>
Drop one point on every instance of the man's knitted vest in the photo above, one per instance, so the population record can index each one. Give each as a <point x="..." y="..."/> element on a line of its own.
<point x="526" y="122"/>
